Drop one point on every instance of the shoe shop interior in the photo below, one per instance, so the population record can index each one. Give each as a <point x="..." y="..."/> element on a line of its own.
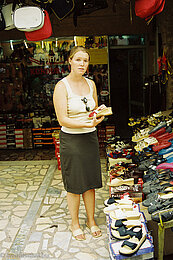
<point x="124" y="50"/>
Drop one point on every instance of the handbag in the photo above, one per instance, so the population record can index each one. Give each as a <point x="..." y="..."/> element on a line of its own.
<point x="147" y="9"/>
<point x="7" y="11"/>
<point x="28" y="18"/>
<point x="42" y="33"/>
<point x="61" y="8"/>
<point x="2" y="21"/>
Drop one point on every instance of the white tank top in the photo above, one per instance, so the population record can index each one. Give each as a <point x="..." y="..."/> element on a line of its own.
<point x="76" y="108"/>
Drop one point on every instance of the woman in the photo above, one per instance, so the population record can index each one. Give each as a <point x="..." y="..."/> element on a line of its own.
<point x="74" y="97"/>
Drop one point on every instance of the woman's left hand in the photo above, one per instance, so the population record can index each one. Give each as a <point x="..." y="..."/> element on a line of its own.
<point x="97" y="121"/>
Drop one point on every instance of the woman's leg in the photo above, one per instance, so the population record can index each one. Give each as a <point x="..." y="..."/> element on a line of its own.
<point x="73" y="201"/>
<point x="89" y="201"/>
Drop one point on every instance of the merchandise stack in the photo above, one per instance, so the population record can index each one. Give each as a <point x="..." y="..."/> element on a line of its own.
<point x="3" y="140"/>
<point x="140" y="181"/>
<point x="127" y="230"/>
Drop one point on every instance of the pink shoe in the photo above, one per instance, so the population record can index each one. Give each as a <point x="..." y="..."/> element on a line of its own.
<point x="165" y="166"/>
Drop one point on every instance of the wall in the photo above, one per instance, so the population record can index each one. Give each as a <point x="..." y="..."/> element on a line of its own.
<point x="165" y="26"/>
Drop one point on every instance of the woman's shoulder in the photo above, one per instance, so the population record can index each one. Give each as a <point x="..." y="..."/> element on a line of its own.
<point x="60" y="85"/>
<point x="90" y="81"/>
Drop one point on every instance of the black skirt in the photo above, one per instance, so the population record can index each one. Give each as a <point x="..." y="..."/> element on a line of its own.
<point x="80" y="162"/>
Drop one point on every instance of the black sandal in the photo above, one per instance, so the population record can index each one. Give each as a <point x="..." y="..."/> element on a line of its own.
<point x="131" y="245"/>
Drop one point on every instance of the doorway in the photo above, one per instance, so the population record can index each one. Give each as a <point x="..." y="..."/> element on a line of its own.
<point x="126" y="80"/>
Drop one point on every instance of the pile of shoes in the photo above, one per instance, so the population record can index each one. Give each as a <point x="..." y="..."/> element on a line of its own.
<point x="127" y="230"/>
<point x="156" y="160"/>
<point x="158" y="190"/>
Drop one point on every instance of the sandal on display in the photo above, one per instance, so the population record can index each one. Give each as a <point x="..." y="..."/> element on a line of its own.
<point x="131" y="245"/>
<point x="124" y="222"/>
<point x="122" y="232"/>
<point x="76" y="233"/>
<point x="129" y="215"/>
<point x="143" y="133"/>
<point x="109" y="201"/>
<point x="93" y="231"/>
<point x="164" y="215"/>
<point x="119" y="181"/>
<point x="117" y="201"/>
<point x="112" y="207"/>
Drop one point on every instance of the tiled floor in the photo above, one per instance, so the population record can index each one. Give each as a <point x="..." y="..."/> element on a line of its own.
<point x="34" y="219"/>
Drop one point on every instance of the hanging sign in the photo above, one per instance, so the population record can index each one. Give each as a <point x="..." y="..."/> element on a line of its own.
<point x="98" y="56"/>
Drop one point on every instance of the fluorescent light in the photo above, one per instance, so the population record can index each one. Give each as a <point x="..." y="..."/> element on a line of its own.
<point x="25" y="44"/>
<point x="11" y="45"/>
<point x="75" y="40"/>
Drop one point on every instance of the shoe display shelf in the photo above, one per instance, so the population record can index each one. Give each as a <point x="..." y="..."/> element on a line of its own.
<point x="104" y="133"/>
<point x="135" y="190"/>
<point x="42" y="137"/>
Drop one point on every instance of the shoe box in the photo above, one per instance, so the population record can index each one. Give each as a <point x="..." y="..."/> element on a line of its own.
<point x="19" y="138"/>
<point x="10" y="135"/>
<point x="3" y="140"/>
<point x="43" y="136"/>
<point x="110" y="131"/>
<point x="146" y="250"/>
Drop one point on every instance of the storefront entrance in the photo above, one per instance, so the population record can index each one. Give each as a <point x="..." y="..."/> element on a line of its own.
<point x="126" y="80"/>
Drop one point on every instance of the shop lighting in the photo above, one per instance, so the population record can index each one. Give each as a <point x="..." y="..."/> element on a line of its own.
<point x="25" y="44"/>
<point x="11" y="45"/>
<point x="56" y="44"/>
<point x="42" y="44"/>
<point x="75" y="40"/>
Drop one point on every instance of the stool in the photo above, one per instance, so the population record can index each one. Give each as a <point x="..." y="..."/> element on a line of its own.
<point x="161" y="235"/>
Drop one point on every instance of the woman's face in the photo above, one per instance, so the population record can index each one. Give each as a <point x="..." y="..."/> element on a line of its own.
<point x="79" y="62"/>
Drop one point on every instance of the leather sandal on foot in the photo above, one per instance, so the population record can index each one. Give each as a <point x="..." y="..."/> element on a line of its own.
<point x="77" y="233"/>
<point x="94" y="229"/>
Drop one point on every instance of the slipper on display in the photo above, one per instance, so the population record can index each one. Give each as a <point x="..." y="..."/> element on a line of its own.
<point x="110" y="208"/>
<point x="124" y="222"/>
<point x="119" y="214"/>
<point x="132" y="245"/>
<point x="123" y="232"/>
<point x="109" y="201"/>
<point x="119" y="181"/>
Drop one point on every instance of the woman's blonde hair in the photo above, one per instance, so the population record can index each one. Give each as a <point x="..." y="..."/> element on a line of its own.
<point x="75" y="49"/>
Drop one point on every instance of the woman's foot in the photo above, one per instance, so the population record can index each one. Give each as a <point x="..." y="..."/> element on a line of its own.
<point x="77" y="233"/>
<point x="94" y="229"/>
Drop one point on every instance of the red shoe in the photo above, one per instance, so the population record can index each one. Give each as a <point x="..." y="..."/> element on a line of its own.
<point x="159" y="146"/>
<point x="158" y="132"/>
<point x="165" y="137"/>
